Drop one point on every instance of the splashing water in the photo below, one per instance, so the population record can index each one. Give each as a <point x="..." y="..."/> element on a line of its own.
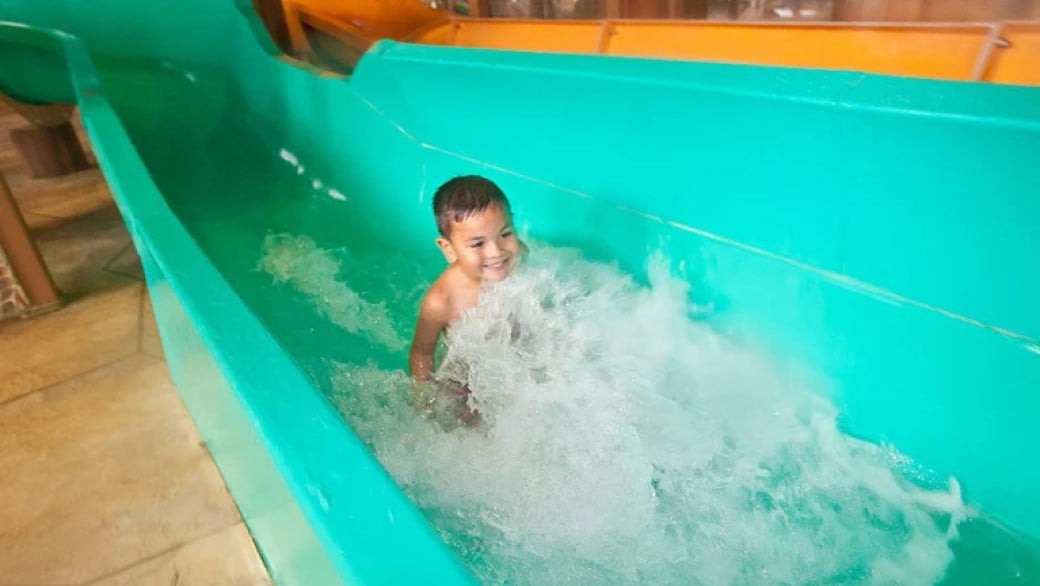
<point x="297" y="259"/>
<point x="623" y="442"/>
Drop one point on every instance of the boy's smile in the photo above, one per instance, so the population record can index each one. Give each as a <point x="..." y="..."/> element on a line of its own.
<point x="483" y="245"/>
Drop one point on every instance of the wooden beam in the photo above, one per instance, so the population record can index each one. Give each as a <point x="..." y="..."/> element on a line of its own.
<point x="48" y="145"/>
<point x="42" y="114"/>
<point x="674" y="9"/>
<point x="273" y="17"/>
<point x="696" y="9"/>
<point x="24" y="258"/>
<point x="50" y="151"/>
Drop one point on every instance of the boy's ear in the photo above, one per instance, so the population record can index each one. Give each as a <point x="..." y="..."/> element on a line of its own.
<point x="447" y="249"/>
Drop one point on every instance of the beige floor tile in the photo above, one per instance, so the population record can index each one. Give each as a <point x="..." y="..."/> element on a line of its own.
<point x="9" y="158"/>
<point x="67" y="196"/>
<point x="151" y="344"/>
<point x="80" y="253"/>
<point x="86" y="334"/>
<point x="56" y="197"/>
<point x="100" y="472"/>
<point x="227" y="558"/>
<point x="38" y="222"/>
<point x="127" y="263"/>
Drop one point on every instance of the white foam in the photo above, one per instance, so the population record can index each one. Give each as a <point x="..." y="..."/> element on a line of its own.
<point x="313" y="271"/>
<point x="625" y="443"/>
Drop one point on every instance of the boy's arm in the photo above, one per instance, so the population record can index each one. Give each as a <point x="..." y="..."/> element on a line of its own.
<point x="432" y="320"/>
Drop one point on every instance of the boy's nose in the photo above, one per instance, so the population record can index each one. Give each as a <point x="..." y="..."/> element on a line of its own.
<point x="493" y="248"/>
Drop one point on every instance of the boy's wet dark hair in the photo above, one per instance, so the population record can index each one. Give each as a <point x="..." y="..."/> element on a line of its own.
<point x="461" y="197"/>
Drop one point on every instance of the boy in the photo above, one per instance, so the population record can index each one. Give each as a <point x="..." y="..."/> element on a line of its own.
<point x="478" y="241"/>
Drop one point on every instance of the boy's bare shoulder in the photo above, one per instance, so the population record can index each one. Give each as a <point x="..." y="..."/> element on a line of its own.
<point x="446" y="296"/>
<point x="438" y="301"/>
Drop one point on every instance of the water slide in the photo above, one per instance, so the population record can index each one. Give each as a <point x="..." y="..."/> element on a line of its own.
<point x="796" y="338"/>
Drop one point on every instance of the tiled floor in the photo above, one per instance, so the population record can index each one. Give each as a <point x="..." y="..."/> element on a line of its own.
<point x="104" y="478"/>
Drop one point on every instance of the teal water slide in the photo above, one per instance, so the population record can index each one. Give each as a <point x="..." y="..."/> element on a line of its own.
<point x="877" y="230"/>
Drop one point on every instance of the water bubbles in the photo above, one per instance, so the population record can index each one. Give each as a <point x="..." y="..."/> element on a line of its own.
<point x="624" y="442"/>
<point x="297" y="260"/>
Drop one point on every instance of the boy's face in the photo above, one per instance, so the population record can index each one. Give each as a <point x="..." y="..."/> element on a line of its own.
<point x="483" y="245"/>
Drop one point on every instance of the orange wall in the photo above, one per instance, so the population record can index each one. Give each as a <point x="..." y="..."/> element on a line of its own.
<point x="950" y="51"/>
<point x="1019" y="63"/>
<point x="945" y="53"/>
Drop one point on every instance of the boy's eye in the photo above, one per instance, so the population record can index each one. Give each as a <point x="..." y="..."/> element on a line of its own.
<point x="507" y="234"/>
<point x="477" y="244"/>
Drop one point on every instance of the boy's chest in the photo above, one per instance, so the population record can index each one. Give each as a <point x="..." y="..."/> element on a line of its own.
<point x="462" y="300"/>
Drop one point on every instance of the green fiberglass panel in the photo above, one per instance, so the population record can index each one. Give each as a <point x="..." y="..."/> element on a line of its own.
<point x="859" y="200"/>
